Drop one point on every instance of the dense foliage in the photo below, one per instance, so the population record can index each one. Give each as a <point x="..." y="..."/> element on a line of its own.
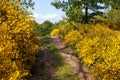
<point x="113" y="15"/>
<point x="18" y="42"/>
<point x="45" y="28"/>
<point x="74" y="8"/>
<point x="84" y="10"/>
<point x="97" y="45"/>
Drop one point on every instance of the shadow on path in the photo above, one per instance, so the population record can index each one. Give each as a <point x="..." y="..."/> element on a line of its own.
<point x="47" y="60"/>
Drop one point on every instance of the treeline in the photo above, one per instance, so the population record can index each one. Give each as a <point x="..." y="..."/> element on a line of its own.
<point x="18" y="41"/>
<point x="94" y="35"/>
<point x="44" y="28"/>
<point x="83" y="10"/>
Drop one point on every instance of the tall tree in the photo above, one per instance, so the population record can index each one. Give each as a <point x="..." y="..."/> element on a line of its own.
<point x="114" y="4"/>
<point x="73" y="8"/>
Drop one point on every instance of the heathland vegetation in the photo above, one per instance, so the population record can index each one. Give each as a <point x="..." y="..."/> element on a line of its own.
<point x="91" y="28"/>
<point x="94" y="34"/>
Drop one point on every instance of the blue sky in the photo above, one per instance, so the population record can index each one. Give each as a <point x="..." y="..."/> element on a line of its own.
<point x="45" y="11"/>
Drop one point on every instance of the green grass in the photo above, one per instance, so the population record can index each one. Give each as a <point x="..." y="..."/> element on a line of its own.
<point x="64" y="72"/>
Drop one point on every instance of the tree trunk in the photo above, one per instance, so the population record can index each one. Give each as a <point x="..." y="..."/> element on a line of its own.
<point x="86" y="14"/>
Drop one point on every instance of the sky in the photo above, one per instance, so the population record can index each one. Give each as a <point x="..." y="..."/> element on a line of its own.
<point x="43" y="10"/>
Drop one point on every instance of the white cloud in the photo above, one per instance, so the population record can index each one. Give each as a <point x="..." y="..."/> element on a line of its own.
<point x="53" y="17"/>
<point x="50" y="16"/>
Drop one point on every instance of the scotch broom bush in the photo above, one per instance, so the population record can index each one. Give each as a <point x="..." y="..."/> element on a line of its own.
<point x="100" y="51"/>
<point x="73" y="37"/>
<point x="66" y="28"/>
<point x="98" y="46"/>
<point x="17" y="41"/>
<point x="54" y="32"/>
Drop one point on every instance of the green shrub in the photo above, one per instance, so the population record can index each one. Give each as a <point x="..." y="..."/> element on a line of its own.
<point x="44" y="29"/>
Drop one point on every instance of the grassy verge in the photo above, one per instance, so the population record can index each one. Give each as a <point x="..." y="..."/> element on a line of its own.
<point x="64" y="72"/>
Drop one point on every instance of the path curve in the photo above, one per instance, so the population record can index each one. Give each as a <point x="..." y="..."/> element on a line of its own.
<point x="67" y="54"/>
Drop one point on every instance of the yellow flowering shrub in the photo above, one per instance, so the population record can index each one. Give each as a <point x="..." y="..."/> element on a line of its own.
<point x="76" y="34"/>
<point x="100" y="51"/>
<point x="113" y="25"/>
<point x="99" y="48"/>
<point x="66" y="28"/>
<point x="54" y="32"/>
<point x="73" y="37"/>
<point x="18" y="42"/>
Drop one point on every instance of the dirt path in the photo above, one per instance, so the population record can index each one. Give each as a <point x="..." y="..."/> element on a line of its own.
<point x="47" y="61"/>
<point x="67" y="54"/>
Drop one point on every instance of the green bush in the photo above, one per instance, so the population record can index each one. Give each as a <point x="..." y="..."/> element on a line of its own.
<point x="44" y="29"/>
